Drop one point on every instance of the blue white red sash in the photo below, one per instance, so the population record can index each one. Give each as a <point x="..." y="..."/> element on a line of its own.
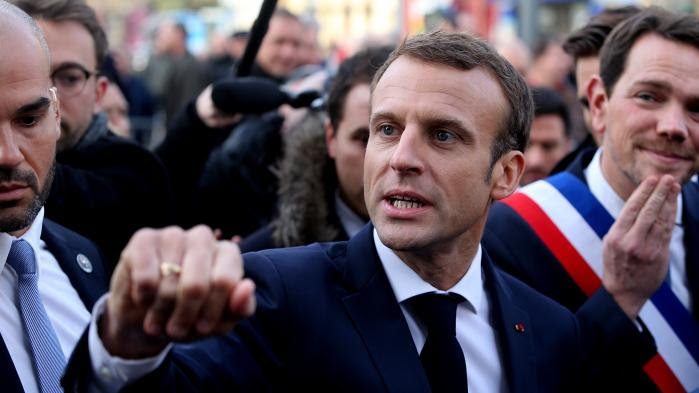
<point x="571" y="222"/>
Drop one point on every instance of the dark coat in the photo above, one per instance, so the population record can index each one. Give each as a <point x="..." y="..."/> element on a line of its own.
<point x="307" y="184"/>
<point x="237" y="191"/>
<point x="620" y="349"/>
<point x="222" y="178"/>
<point x="106" y="189"/>
<point x="65" y="246"/>
<point x="184" y="152"/>
<point x="175" y="80"/>
<point x="327" y="320"/>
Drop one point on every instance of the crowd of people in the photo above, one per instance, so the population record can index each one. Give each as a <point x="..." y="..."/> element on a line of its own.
<point x="441" y="214"/>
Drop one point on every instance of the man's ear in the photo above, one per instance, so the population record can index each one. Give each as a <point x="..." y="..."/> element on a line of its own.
<point x="330" y="138"/>
<point x="597" y="97"/>
<point x="56" y="104"/>
<point x="100" y="90"/>
<point x="506" y="174"/>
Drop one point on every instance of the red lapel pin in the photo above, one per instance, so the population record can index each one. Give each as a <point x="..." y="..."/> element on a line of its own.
<point x="519" y="327"/>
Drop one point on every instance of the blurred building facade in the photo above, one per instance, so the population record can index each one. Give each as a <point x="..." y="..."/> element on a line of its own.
<point x="350" y="23"/>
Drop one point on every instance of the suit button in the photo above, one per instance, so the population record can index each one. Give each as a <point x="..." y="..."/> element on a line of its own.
<point x="84" y="263"/>
<point x="105" y="373"/>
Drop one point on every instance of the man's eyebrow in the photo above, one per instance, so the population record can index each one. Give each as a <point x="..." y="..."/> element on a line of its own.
<point x="657" y="84"/>
<point x="663" y="86"/>
<point x="42" y="103"/>
<point x="69" y="64"/>
<point x="452" y="124"/>
<point x="381" y="116"/>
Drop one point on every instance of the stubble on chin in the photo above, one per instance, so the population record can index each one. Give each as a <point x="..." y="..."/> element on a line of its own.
<point x="27" y="216"/>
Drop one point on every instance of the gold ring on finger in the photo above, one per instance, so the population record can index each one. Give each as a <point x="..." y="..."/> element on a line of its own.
<point x="169" y="268"/>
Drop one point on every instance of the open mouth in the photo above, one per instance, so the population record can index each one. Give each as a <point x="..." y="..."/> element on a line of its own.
<point x="405" y="202"/>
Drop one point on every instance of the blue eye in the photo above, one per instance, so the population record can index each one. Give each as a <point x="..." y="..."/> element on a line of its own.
<point x="387" y="129"/>
<point x="443" y="136"/>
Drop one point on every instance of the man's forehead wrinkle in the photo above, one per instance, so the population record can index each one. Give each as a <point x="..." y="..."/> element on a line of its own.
<point x="661" y="71"/>
<point x="436" y="96"/>
<point x="650" y="62"/>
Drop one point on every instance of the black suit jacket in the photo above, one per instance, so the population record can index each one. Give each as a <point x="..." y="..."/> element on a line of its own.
<point x="107" y="190"/>
<point x="617" y="346"/>
<point x="65" y="246"/>
<point x="328" y="320"/>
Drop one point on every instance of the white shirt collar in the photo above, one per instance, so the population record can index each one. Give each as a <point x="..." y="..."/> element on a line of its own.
<point x="604" y="192"/>
<point x="32" y="236"/>
<point x="350" y="221"/>
<point x="406" y="283"/>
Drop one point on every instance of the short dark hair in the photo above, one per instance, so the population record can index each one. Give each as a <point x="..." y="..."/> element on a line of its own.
<point x="678" y="27"/>
<point x="588" y="40"/>
<point x="181" y="28"/>
<point x="69" y="10"/>
<point x="549" y="102"/>
<point x="356" y="70"/>
<point x="543" y="43"/>
<point x="464" y="51"/>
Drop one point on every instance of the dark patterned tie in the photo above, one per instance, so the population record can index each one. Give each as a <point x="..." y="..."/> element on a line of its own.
<point x="442" y="357"/>
<point x="46" y="350"/>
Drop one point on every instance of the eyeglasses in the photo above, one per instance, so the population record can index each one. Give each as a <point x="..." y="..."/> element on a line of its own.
<point x="70" y="80"/>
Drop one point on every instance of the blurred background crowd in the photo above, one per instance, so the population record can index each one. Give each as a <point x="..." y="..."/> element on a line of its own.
<point x="142" y="32"/>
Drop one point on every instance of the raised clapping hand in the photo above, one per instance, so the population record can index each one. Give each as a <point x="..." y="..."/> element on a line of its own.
<point x="172" y="285"/>
<point x="636" y="250"/>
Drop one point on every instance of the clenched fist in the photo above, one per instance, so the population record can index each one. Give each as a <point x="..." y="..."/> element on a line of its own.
<point x="174" y="285"/>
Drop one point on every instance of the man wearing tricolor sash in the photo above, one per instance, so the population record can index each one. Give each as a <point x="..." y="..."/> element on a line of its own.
<point x="616" y="236"/>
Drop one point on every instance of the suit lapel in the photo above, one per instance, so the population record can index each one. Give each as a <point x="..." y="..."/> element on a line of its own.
<point x="379" y="319"/>
<point x="690" y="222"/>
<point x="88" y="289"/>
<point x="89" y="285"/>
<point x="8" y="373"/>
<point x="516" y="344"/>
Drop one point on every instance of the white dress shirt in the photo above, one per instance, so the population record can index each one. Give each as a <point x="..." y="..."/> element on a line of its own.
<point x="66" y="311"/>
<point x="474" y="330"/>
<point x="611" y="201"/>
<point x="350" y="221"/>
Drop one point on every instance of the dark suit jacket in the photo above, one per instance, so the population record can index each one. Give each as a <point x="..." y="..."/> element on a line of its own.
<point x="107" y="190"/>
<point x="65" y="246"/>
<point x="327" y="320"/>
<point x="621" y="350"/>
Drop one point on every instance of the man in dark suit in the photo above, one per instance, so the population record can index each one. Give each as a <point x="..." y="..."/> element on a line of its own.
<point x="106" y="187"/>
<point x="550" y="234"/>
<point x="411" y="303"/>
<point x="50" y="277"/>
